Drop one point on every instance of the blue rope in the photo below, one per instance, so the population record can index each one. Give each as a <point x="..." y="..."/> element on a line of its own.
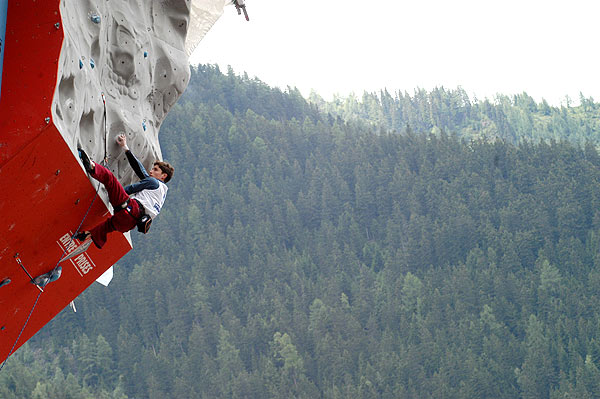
<point x="22" y="329"/>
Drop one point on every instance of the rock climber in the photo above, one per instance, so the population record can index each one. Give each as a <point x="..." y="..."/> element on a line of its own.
<point x="134" y="205"/>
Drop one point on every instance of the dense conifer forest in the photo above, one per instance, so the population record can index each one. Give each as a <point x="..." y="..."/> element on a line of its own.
<point x="514" y="119"/>
<point x="400" y="246"/>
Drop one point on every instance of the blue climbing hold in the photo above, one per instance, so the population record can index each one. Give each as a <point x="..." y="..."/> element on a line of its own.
<point x="4" y="282"/>
<point x="46" y="278"/>
<point x="92" y="63"/>
<point x="145" y="54"/>
<point x="95" y="18"/>
<point x="55" y="274"/>
<point x="80" y="64"/>
<point x="144" y="125"/>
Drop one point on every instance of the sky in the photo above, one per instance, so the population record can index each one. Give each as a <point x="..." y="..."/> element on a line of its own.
<point x="548" y="49"/>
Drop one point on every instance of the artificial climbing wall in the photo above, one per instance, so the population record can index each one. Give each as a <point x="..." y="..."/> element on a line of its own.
<point x="44" y="193"/>
<point x="77" y="73"/>
<point x="133" y="53"/>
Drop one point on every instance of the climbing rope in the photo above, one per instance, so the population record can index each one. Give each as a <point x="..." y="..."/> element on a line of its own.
<point x="105" y="132"/>
<point x="22" y="329"/>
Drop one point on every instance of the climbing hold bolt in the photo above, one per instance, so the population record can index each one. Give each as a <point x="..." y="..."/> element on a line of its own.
<point x="47" y="119"/>
<point x="57" y="25"/>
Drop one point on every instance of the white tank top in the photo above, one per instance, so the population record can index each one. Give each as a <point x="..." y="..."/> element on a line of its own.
<point x="152" y="200"/>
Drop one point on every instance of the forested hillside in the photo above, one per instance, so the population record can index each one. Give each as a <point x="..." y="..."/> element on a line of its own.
<point x="513" y="118"/>
<point x="302" y="254"/>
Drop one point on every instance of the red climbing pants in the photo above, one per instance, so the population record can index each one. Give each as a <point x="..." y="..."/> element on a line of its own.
<point x="122" y="220"/>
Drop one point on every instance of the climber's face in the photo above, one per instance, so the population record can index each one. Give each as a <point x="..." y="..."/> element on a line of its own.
<point x="157" y="173"/>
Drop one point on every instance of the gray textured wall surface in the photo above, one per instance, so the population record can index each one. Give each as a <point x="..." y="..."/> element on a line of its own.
<point x="133" y="53"/>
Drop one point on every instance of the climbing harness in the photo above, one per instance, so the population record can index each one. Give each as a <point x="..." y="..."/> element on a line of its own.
<point x="144" y="221"/>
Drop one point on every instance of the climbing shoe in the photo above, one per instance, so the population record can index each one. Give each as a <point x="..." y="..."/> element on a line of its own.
<point x="88" y="164"/>
<point x="81" y="236"/>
